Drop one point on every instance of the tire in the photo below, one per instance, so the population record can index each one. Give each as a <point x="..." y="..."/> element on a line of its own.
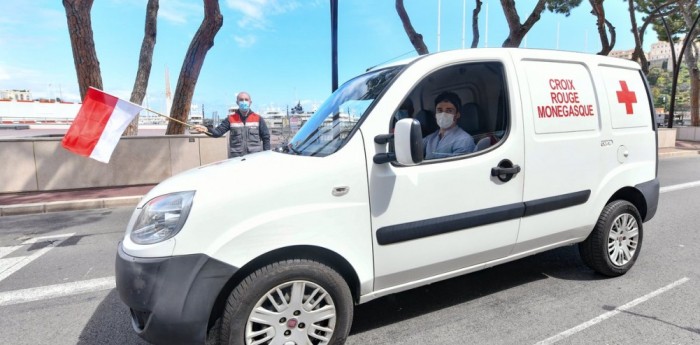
<point x="616" y="240"/>
<point x="312" y="305"/>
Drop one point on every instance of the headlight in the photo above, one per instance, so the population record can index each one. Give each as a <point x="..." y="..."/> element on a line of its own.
<point x="162" y="218"/>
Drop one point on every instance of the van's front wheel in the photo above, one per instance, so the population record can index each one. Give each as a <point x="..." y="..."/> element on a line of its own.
<point x="289" y="302"/>
<point x="613" y="246"/>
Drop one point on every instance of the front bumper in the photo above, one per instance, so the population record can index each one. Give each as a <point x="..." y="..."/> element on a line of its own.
<point x="171" y="298"/>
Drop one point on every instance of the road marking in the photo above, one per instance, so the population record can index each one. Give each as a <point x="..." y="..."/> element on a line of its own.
<point x="57" y="290"/>
<point x="4" y="251"/>
<point x="611" y="313"/>
<point x="8" y="262"/>
<point x="676" y="187"/>
<point x="44" y="238"/>
<point x="17" y="264"/>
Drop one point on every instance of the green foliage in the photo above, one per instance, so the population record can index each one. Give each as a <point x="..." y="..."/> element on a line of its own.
<point x="562" y="6"/>
<point x="673" y="16"/>
<point x="660" y="81"/>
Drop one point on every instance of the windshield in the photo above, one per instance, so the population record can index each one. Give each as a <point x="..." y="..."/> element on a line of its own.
<point x="326" y="131"/>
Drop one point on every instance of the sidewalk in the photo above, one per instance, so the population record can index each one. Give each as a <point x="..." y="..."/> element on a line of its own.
<point x="682" y="149"/>
<point x="95" y="198"/>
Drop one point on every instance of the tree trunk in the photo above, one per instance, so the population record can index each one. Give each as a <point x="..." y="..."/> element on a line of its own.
<point x="194" y="59"/>
<point x="145" y="62"/>
<point x="694" y="102"/>
<point x="613" y="35"/>
<point x="691" y="60"/>
<point x="638" y="54"/>
<point x="599" y="12"/>
<point x="516" y="30"/>
<point x="87" y="66"/>
<point x="415" y="38"/>
<point x="475" y="23"/>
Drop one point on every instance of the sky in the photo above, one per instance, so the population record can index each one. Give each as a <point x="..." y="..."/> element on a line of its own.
<point x="277" y="50"/>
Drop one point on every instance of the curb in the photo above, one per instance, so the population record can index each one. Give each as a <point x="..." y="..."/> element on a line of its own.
<point x="72" y="205"/>
<point x="674" y="154"/>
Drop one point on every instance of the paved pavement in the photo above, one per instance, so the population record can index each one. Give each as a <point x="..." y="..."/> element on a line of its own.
<point x="129" y="196"/>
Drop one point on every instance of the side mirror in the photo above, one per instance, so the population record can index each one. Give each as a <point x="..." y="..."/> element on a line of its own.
<point x="408" y="144"/>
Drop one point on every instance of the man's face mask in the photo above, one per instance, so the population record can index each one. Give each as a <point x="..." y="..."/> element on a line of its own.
<point x="401" y="114"/>
<point x="444" y="120"/>
<point x="243" y="105"/>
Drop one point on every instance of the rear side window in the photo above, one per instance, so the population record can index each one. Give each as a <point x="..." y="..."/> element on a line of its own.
<point x="562" y="96"/>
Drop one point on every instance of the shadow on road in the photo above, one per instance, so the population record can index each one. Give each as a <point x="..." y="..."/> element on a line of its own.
<point x="110" y="324"/>
<point x="561" y="263"/>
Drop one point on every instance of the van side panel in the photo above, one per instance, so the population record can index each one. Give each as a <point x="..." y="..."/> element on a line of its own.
<point x="633" y="134"/>
<point x="590" y="131"/>
<point x="562" y="116"/>
<point x="448" y="215"/>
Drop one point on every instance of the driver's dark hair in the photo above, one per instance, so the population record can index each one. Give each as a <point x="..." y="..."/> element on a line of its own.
<point x="449" y="97"/>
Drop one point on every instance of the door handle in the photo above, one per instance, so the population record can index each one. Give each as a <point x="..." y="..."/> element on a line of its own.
<point x="505" y="170"/>
<point x="340" y="191"/>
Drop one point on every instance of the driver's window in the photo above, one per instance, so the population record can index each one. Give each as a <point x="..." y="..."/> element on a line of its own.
<point x="405" y="110"/>
<point x="462" y="109"/>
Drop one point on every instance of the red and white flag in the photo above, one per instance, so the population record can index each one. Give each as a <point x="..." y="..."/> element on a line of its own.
<point x="99" y="124"/>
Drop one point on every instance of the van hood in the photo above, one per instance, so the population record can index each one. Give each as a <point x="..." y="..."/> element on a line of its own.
<point x="243" y="202"/>
<point x="241" y="175"/>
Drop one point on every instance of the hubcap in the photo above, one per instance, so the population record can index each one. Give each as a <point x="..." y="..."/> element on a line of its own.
<point x="298" y="312"/>
<point x="623" y="239"/>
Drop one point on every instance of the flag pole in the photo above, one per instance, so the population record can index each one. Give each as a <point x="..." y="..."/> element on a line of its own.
<point x="155" y="112"/>
<point x="173" y="119"/>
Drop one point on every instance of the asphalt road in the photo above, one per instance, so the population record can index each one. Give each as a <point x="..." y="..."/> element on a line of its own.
<point x="542" y="299"/>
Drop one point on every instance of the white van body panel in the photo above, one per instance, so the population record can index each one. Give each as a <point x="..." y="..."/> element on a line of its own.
<point x="573" y="154"/>
<point x="400" y="195"/>
<point x="247" y="207"/>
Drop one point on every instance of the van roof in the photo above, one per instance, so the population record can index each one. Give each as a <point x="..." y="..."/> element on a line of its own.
<point x="535" y="53"/>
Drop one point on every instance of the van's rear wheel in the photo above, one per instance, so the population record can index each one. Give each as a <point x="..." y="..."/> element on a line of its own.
<point x="289" y="302"/>
<point x="613" y="246"/>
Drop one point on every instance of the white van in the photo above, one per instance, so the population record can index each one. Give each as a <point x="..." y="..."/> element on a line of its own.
<point x="277" y="247"/>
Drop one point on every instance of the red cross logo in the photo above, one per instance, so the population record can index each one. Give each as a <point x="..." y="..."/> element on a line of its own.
<point x="626" y="96"/>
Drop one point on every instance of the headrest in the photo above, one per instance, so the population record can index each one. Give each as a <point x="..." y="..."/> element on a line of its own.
<point x="427" y="121"/>
<point x="469" y="118"/>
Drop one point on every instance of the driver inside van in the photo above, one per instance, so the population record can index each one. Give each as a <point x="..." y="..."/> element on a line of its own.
<point x="450" y="139"/>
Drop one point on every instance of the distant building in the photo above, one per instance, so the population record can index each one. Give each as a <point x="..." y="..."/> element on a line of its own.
<point x="17" y="95"/>
<point x="17" y="106"/>
<point x="660" y="54"/>
<point x="196" y="117"/>
<point x="622" y="54"/>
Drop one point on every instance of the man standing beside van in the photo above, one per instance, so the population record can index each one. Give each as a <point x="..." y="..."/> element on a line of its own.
<point x="249" y="132"/>
<point x="450" y="139"/>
